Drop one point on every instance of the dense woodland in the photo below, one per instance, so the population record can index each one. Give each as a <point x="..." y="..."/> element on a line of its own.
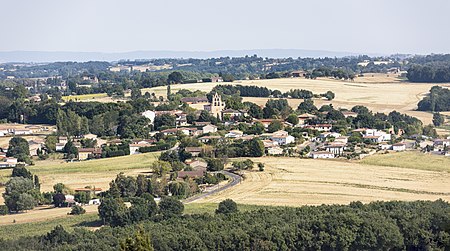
<point x="438" y="100"/>
<point x="376" y="226"/>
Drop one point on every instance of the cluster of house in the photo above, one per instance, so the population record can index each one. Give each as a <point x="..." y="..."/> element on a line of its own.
<point x="335" y="143"/>
<point x="7" y="162"/>
<point x="70" y="199"/>
<point x="21" y="130"/>
<point x="83" y="153"/>
<point x="442" y="146"/>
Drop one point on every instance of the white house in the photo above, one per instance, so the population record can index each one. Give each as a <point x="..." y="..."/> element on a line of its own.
<point x="94" y="202"/>
<point x="342" y="139"/>
<point x="60" y="147"/>
<point x="134" y="148"/>
<point x="275" y="150"/>
<point x="22" y="132"/>
<point x="373" y="139"/>
<point x="234" y="134"/>
<point x="321" y="127"/>
<point x="335" y="148"/>
<point x="90" y="136"/>
<point x="322" y="155"/>
<point x="440" y="144"/>
<point x="209" y="129"/>
<point x="329" y="134"/>
<point x="385" y="146"/>
<point x="282" y="137"/>
<point x="150" y="115"/>
<point x="399" y="147"/>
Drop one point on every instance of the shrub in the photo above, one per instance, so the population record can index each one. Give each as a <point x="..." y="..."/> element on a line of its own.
<point x="77" y="210"/>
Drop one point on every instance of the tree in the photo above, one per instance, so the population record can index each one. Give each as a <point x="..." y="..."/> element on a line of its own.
<point x="70" y="150"/>
<point x="175" y="78"/>
<point x="77" y="210"/>
<point x="277" y="108"/>
<point x="25" y="202"/>
<point x="293" y="119"/>
<point x="57" y="236"/>
<point x="275" y="125"/>
<point x="135" y="93"/>
<point x="438" y="119"/>
<point x="82" y="197"/>
<point x="14" y="188"/>
<point x="59" y="199"/>
<point x="112" y="211"/>
<point x="61" y="188"/>
<point x="19" y="148"/>
<point x="253" y="148"/>
<point x="261" y="167"/>
<point x="139" y="242"/>
<point x="171" y="207"/>
<point x="215" y="165"/>
<point x="160" y="168"/>
<point x="20" y="171"/>
<point x="307" y="106"/>
<point x="164" y="120"/>
<point x="329" y="95"/>
<point x="255" y="111"/>
<point x="227" y="206"/>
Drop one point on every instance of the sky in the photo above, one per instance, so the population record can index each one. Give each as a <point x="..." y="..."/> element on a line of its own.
<point x="358" y="26"/>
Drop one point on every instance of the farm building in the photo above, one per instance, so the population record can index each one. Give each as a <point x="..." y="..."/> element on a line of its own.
<point x="87" y="153"/>
<point x="282" y="138"/>
<point x="322" y="155"/>
<point x="275" y="150"/>
<point x="335" y="148"/>
<point x="234" y="134"/>
<point x="209" y="129"/>
<point x="399" y="147"/>
<point x="194" y="151"/>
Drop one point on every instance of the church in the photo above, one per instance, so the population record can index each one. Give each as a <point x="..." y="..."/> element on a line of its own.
<point x="216" y="106"/>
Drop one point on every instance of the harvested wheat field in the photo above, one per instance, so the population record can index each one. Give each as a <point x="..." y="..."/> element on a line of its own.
<point x="294" y="182"/>
<point x="384" y="96"/>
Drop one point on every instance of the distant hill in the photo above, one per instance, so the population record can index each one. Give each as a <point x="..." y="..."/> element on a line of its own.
<point x="43" y="56"/>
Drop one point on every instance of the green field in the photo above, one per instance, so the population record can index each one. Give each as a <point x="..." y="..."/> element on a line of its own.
<point x="99" y="165"/>
<point x="92" y="221"/>
<point x="38" y="228"/>
<point x="412" y="160"/>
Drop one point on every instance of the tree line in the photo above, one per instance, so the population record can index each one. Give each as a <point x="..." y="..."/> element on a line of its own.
<point x="418" y="225"/>
<point x="438" y="100"/>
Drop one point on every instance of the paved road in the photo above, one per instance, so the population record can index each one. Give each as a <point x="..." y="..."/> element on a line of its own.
<point x="235" y="179"/>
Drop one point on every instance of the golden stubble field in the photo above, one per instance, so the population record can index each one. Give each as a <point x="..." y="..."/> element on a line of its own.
<point x="295" y="182"/>
<point x="380" y="94"/>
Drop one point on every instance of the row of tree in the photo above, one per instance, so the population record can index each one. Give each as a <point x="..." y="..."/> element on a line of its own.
<point x="420" y="225"/>
<point x="437" y="100"/>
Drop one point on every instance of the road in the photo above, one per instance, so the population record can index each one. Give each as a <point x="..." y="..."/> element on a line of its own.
<point x="235" y="179"/>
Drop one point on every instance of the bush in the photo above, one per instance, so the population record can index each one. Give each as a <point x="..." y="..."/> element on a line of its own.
<point x="77" y="210"/>
<point x="3" y="210"/>
<point x="227" y="206"/>
<point x="170" y="207"/>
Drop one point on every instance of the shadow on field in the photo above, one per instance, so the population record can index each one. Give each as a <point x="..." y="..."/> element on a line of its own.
<point x="95" y="223"/>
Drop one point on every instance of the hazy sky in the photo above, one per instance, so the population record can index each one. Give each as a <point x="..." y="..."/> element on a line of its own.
<point x="377" y="26"/>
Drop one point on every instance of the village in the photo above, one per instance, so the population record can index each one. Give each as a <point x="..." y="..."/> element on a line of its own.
<point x="300" y="136"/>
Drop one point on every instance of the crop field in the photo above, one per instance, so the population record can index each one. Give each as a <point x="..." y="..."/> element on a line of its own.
<point x="380" y="94"/>
<point x="295" y="182"/>
<point x="96" y="173"/>
<point x="17" y="230"/>
<point x="85" y="97"/>
<point x="411" y="159"/>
